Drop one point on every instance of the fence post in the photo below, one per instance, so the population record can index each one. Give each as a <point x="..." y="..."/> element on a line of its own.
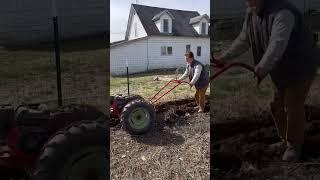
<point x="57" y="50"/>
<point x="128" y="83"/>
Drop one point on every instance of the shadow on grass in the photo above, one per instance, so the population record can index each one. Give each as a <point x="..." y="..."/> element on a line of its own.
<point x="84" y="43"/>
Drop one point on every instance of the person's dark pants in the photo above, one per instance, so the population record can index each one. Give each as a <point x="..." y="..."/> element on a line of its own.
<point x="288" y="111"/>
<point x="200" y="97"/>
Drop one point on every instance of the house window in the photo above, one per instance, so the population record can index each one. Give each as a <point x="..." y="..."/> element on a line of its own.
<point x="203" y="28"/>
<point x="199" y="51"/>
<point x="188" y="48"/>
<point x="166" y="25"/>
<point x="135" y="30"/>
<point x="169" y="50"/>
<point x="163" y="50"/>
<point x="166" y="50"/>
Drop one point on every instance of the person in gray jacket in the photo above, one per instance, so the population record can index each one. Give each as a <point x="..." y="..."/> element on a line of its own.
<point x="283" y="46"/>
<point x="198" y="78"/>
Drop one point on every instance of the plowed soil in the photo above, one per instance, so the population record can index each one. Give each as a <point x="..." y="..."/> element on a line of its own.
<point x="248" y="148"/>
<point x="177" y="148"/>
<point x="243" y="148"/>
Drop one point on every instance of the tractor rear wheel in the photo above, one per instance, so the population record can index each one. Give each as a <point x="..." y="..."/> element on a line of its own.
<point x="77" y="153"/>
<point x="137" y="117"/>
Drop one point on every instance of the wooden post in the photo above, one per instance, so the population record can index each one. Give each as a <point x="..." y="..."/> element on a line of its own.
<point x="57" y="50"/>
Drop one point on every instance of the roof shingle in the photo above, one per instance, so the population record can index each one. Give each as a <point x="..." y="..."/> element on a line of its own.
<point x="180" y="23"/>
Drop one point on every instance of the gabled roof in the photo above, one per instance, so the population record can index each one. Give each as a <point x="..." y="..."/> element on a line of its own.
<point x="157" y="16"/>
<point x="117" y="42"/>
<point x="122" y="42"/>
<point x="180" y="24"/>
<point x="198" y="19"/>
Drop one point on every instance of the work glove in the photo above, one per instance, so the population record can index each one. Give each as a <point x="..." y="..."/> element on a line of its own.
<point x="218" y="62"/>
<point x="179" y="81"/>
<point x="261" y="72"/>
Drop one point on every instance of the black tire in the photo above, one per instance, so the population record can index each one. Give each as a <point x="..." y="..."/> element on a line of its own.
<point x="73" y="147"/>
<point x="127" y="111"/>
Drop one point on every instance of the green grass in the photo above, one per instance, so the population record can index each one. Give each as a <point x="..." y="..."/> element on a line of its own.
<point x="27" y="62"/>
<point x="24" y="63"/>
<point x="145" y="86"/>
<point x="29" y="73"/>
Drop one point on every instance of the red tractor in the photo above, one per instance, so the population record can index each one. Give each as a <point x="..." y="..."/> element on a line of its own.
<point x="68" y="142"/>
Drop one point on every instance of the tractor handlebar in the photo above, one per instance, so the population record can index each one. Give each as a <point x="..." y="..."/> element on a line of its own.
<point x="213" y="63"/>
<point x="154" y="98"/>
<point x="223" y="67"/>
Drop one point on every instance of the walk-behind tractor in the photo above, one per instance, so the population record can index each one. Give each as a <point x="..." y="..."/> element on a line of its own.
<point x="137" y="115"/>
<point x="68" y="143"/>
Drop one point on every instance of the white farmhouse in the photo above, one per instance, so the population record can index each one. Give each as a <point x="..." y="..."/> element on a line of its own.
<point x="158" y="38"/>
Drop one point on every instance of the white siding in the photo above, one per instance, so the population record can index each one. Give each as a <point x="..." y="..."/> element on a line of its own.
<point x="140" y="29"/>
<point x="145" y="54"/>
<point x="156" y="61"/>
<point x="134" y="52"/>
<point x="198" y="26"/>
<point x="227" y="7"/>
<point x="314" y="4"/>
<point x="158" y="24"/>
<point x="24" y="21"/>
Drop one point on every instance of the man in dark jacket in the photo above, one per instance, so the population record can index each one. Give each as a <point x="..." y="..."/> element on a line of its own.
<point x="198" y="78"/>
<point x="284" y="47"/>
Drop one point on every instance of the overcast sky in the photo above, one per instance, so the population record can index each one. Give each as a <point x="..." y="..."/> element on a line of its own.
<point x="119" y="12"/>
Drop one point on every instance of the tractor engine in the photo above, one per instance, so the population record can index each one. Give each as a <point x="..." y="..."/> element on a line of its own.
<point x="29" y="132"/>
<point x="119" y="101"/>
<point x="24" y="129"/>
<point x="27" y="128"/>
<point x="31" y="128"/>
<point x="6" y="119"/>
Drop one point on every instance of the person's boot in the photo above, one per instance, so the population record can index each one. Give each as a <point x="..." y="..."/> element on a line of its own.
<point x="292" y="153"/>
<point x="281" y="145"/>
<point x="277" y="148"/>
<point x="200" y="110"/>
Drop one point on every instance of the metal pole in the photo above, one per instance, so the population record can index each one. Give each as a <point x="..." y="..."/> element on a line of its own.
<point x="128" y="83"/>
<point x="57" y="51"/>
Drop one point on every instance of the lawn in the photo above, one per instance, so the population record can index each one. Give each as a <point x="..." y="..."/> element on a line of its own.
<point x="28" y="74"/>
<point x="146" y="86"/>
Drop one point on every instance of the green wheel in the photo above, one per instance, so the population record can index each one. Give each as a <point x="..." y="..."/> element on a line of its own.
<point x="138" y="117"/>
<point x="77" y="153"/>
